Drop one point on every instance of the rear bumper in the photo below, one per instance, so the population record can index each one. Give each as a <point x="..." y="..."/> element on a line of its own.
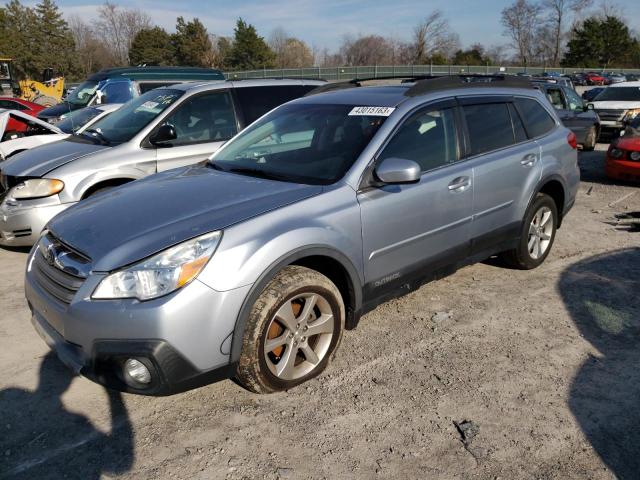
<point x="20" y="225"/>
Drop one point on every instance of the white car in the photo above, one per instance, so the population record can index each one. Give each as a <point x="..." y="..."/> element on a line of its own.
<point x="617" y="105"/>
<point x="41" y="133"/>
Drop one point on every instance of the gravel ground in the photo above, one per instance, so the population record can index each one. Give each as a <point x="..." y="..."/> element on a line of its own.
<point x="489" y="373"/>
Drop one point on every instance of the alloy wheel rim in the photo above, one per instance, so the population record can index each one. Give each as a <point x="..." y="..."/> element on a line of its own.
<point x="540" y="232"/>
<point x="298" y="336"/>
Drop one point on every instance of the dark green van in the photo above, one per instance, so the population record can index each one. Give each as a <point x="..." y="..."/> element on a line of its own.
<point x="119" y="85"/>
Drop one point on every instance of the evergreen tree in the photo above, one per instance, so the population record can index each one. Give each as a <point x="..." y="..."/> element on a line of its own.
<point x="152" y="46"/>
<point x="603" y="42"/>
<point x="17" y="38"/>
<point x="249" y="50"/>
<point x="54" y="44"/>
<point x="192" y="43"/>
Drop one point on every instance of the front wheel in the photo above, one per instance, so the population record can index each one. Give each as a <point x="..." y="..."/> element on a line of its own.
<point x="537" y="235"/>
<point x="292" y="331"/>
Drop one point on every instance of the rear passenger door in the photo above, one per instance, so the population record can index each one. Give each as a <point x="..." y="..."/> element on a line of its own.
<point x="411" y="230"/>
<point x="203" y="123"/>
<point x="506" y="166"/>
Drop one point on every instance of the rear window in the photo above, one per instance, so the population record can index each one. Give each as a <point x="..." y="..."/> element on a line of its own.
<point x="256" y="101"/>
<point x="489" y="127"/>
<point x="536" y="119"/>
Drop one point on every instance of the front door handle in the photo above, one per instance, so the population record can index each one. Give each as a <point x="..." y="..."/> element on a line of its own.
<point x="459" y="184"/>
<point x="529" y="160"/>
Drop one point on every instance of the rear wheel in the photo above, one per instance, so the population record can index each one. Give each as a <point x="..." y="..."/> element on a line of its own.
<point x="292" y="331"/>
<point x="537" y="236"/>
<point x="591" y="139"/>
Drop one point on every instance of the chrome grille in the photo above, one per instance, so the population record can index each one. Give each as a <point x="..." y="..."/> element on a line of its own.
<point x="614" y="115"/>
<point x="59" y="270"/>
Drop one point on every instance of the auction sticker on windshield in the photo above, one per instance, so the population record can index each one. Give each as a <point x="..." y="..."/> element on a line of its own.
<point x="372" y="111"/>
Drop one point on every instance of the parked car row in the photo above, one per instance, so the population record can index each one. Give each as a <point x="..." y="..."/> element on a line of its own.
<point x="251" y="261"/>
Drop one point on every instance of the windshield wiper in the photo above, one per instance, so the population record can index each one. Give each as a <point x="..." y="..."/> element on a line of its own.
<point x="96" y="133"/>
<point x="257" y="172"/>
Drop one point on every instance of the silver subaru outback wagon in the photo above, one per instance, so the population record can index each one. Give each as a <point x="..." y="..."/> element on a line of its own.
<point x="251" y="265"/>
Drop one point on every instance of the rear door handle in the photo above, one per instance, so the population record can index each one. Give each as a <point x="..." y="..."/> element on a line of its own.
<point x="529" y="160"/>
<point x="459" y="184"/>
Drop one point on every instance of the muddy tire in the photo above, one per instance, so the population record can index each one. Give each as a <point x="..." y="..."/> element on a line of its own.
<point x="590" y="140"/>
<point x="537" y="235"/>
<point x="292" y="331"/>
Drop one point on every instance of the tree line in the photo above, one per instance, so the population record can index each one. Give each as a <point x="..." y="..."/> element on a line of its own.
<point x="539" y="32"/>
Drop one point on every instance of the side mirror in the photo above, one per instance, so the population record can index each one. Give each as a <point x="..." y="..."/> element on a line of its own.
<point x="398" y="170"/>
<point x="588" y="106"/>
<point x="165" y="133"/>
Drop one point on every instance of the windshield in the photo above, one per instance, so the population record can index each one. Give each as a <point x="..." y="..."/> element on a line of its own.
<point x="83" y="93"/>
<point x="126" y="122"/>
<point x="619" y="94"/>
<point x="74" y="121"/>
<point x="302" y="143"/>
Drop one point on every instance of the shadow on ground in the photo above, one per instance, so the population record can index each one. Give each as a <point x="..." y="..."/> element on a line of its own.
<point x="41" y="439"/>
<point x="602" y="296"/>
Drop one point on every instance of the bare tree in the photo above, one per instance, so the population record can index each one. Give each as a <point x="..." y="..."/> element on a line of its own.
<point x="118" y="26"/>
<point x="433" y="35"/>
<point x="497" y="54"/>
<point x="559" y="10"/>
<point x="367" y="50"/>
<point x="92" y="54"/>
<point x="521" y="21"/>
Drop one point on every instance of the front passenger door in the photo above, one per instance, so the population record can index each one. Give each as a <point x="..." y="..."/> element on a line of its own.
<point x="202" y="124"/>
<point x="410" y="230"/>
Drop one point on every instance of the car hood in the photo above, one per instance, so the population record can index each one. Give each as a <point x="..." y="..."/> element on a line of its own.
<point x="39" y="161"/>
<point x="134" y="221"/>
<point x="615" y="105"/>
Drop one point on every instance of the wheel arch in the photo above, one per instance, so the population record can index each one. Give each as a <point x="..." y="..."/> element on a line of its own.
<point x="110" y="182"/>
<point x="553" y="186"/>
<point x="325" y="260"/>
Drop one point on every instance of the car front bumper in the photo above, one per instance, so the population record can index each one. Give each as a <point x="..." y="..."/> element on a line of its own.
<point x="622" y="170"/>
<point x="21" y="224"/>
<point x="184" y="338"/>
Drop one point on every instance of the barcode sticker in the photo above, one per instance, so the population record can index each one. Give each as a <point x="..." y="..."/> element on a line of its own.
<point x="372" y="111"/>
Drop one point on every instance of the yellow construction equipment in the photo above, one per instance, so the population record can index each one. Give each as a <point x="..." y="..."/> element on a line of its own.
<point x="47" y="92"/>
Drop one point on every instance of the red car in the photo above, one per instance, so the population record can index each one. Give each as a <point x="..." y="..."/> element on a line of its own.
<point x="29" y="108"/>
<point x="623" y="159"/>
<point x="595" y="79"/>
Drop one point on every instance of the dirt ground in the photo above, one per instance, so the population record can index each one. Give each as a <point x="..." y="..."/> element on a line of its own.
<point x="542" y="365"/>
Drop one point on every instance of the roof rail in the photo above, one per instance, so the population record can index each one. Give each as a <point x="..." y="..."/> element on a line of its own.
<point x="231" y="79"/>
<point x="448" y="82"/>
<point x="357" y="82"/>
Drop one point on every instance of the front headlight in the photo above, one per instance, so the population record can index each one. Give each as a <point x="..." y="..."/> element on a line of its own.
<point x="616" y="153"/>
<point x="631" y="114"/>
<point x="161" y="274"/>
<point x="36" y="188"/>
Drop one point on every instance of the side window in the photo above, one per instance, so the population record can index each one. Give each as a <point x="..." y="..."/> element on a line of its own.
<point x="555" y="97"/>
<point x="574" y="100"/>
<point x="118" y="92"/>
<point x="204" y="118"/>
<point x="256" y="101"/>
<point x="427" y="137"/>
<point x="489" y="127"/>
<point x="8" y="104"/>
<point x="536" y="119"/>
<point x="518" y="127"/>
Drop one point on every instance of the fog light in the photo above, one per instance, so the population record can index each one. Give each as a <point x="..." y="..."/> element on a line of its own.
<point x="137" y="371"/>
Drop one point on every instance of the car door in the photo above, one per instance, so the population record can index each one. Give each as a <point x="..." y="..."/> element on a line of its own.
<point x="202" y="123"/>
<point x="411" y="230"/>
<point x="581" y="120"/>
<point x="505" y="162"/>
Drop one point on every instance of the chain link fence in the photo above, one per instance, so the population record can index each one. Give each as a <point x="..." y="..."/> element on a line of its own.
<point x="381" y="71"/>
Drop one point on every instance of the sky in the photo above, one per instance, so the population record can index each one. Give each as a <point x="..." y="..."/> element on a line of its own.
<point x="323" y="23"/>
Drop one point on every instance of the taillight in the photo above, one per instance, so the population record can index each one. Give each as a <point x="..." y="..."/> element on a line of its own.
<point x="572" y="140"/>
